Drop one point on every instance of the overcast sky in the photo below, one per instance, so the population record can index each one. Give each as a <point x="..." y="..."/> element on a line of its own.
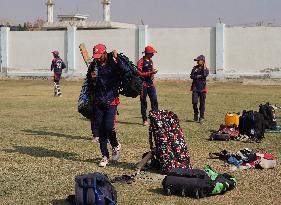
<point x="155" y="13"/>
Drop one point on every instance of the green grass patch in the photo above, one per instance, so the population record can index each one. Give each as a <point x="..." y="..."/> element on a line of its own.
<point x="45" y="142"/>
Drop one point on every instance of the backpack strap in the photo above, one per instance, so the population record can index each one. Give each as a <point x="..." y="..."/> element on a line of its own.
<point x="150" y="137"/>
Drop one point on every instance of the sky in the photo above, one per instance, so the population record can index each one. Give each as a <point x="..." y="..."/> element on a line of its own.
<point x="154" y="13"/>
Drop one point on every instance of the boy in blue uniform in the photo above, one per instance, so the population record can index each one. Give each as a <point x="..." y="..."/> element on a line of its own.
<point x="199" y="74"/>
<point x="147" y="71"/>
<point x="57" y="66"/>
<point x="106" y="99"/>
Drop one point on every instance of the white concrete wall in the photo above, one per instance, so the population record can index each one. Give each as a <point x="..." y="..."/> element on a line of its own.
<point x="30" y="51"/>
<point x="123" y="40"/>
<point x="177" y="47"/>
<point x="243" y="51"/>
<point x="252" y="49"/>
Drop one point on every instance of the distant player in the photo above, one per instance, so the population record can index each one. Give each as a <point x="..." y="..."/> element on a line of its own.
<point x="147" y="71"/>
<point x="199" y="74"/>
<point x="57" y="66"/>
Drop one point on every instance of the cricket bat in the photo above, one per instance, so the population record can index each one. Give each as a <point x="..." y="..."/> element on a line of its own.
<point x="146" y="158"/>
<point x="85" y="54"/>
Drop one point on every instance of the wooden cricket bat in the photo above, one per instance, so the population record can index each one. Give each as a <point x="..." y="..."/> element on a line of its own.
<point x="85" y="54"/>
<point x="146" y="158"/>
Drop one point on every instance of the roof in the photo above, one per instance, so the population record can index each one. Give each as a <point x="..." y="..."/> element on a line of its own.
<point x="87" y="25"/>
<point x="7" y="23"/>
<point x="78" y="16"/>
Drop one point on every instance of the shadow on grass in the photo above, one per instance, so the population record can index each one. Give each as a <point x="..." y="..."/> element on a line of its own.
<point x="53" y="134"/>
<point x="157" y="191"/>
<point x="137" y="117"/>
<point x="124" y="165"/>
<point x="190" y="121"/>
<point x="42" y="152"/>
<point x="60" y="202"/>
<point x="129" y="123"/>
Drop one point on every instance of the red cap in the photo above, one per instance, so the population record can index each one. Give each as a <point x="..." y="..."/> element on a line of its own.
<point x="55" y="52"/>
<point x="149" y="49"/>
<point x="98" y="50"/>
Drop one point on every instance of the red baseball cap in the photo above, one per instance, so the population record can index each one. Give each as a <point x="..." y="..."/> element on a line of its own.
<point x="55" y="52"/>
<point x="149" y="49"/>
<point x="98" y="50"/>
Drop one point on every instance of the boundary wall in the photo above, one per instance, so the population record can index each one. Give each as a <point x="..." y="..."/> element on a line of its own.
<point x="231" y="52"/>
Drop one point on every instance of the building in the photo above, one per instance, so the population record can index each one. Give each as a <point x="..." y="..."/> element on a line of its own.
<point x="81" y="21"/>
<point x="72" y="17"/>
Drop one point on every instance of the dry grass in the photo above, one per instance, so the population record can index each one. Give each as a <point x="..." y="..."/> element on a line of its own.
<point x="45" y="143"/>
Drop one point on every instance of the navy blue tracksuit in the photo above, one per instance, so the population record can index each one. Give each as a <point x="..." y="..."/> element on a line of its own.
<point x="145" y="69"/>
<point x="105" y="104"/>
<point x="198" y="88"/>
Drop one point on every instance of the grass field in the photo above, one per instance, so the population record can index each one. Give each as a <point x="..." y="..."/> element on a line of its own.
<point x="45" y="143"/>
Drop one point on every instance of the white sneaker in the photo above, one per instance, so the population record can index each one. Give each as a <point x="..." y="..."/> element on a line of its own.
<point x="103" y="162"/>
<point x="116" y="152"/>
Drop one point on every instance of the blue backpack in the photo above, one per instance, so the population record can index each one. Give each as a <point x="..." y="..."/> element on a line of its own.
<point x="94" y="189"/>
<point x="85" y="100"/>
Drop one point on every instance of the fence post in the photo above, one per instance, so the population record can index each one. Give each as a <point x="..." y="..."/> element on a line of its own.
<point x="220" y="49"/>
<point x="4" y="50"/>
<point x="71" y="47"/>
<point x="143" y="39"/>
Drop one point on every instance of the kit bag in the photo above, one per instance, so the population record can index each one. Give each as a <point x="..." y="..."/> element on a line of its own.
<point x="269" y="115"/>
<point x="130" y="82"/>
<point x="85" y="100"/>
<point x="197" y="183"/>
<point x="94" y="189"/>
<point x="225" y="133"/>
<point x="166" y="135"/>
<point x="252" y="124"/>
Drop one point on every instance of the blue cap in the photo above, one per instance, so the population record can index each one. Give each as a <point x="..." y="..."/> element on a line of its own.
<point x="201" y="57"/>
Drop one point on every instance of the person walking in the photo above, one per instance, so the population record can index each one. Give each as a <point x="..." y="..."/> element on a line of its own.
<point x="105" y="72"/>
<point x="57" y="66"/>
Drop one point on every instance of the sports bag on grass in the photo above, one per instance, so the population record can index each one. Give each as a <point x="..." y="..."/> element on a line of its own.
<point x="268" y="113"/>
<point x="94" y="189"/>
<point x="171" y="148"/>
<point x="252" y="124"/>
<point x="197" y="183"/>
<point x="225" y="133"/>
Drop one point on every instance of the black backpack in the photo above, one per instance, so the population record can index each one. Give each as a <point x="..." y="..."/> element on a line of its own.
<point x="268" y="113"/>
<point x="85" y="100"/>
<point x="130" y="82"/>
<point x="94" y="189"/>
<point x="251" y="123"/>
